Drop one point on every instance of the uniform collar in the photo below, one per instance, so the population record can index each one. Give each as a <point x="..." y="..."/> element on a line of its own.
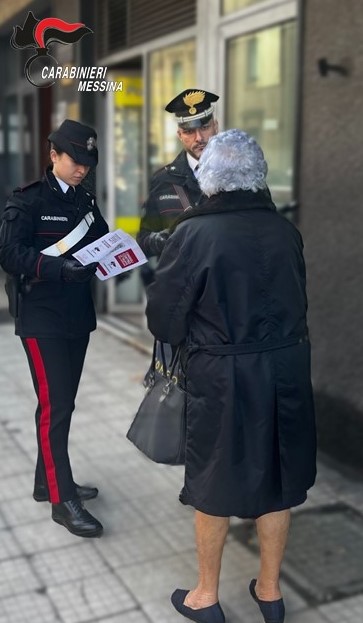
<point x="62" y="184"/>
<point x="55" y="184"/>
<point x="193" y="162"/>
<point x="180" y="165"/>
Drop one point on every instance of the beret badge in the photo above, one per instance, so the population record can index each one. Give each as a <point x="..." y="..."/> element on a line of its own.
<point x="91" y="143"/>
<point x="192" y="98"/>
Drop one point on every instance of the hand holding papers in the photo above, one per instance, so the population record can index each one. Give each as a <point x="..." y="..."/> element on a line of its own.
<point x="116" y="252"/>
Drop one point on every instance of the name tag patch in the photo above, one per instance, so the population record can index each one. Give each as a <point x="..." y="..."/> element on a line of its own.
<point x="54" y="218"/>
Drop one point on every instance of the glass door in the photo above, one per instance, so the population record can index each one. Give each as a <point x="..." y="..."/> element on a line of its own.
<point x="261" y="76"/>
<point x="124" y="181"/>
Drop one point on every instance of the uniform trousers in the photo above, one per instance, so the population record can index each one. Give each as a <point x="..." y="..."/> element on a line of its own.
<point x="56" y="366"/>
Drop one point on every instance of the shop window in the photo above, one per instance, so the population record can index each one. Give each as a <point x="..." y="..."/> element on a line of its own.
<point x="230" y="6"/>
<point x="172" y="69"/>
<point x="261" y="75"/>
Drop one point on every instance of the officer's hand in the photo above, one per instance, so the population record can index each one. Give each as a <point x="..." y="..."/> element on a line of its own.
<point x="157" y="240"/>
<point x="72" y="270"/>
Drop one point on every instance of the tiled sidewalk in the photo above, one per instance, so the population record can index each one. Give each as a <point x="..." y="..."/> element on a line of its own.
<point x="48" y="575"/>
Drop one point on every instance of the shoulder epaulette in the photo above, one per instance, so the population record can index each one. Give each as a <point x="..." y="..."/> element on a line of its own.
<point x="158" y="171"/>
<point x="20" y="189"/>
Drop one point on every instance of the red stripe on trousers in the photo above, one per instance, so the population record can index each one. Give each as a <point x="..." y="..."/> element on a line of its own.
<point x="44" y="421"/>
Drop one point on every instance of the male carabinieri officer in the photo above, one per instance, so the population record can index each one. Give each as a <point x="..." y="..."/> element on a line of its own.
<point x="175" y="187"/>
<point x="50" y="298"/>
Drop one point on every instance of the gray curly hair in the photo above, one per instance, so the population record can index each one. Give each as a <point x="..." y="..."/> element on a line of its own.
<point x="232" y="160"/>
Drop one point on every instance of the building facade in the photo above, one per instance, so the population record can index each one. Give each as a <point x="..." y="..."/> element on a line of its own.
<point x="287" y="71"/>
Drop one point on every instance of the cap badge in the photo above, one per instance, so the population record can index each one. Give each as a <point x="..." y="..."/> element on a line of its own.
<point x="91" y="143"/>
<point x="192" y="98"/>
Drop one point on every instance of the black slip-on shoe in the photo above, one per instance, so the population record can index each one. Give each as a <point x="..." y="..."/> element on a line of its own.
<point x="272" y="611"/>
<point x="83" y="493"/>
<point x="73" y="516"/>
<point x="211" y="614"/>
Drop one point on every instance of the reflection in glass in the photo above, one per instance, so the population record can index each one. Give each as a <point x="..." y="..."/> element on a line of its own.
<point x="261" y="98"/>
<point x="12" y="129"/>
<point x="28" y="145"/>
<point x="171" y="71"/>
<point x="229" y="6"/>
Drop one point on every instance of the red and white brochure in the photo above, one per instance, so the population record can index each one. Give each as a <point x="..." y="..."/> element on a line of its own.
<point x="115" y="252"/>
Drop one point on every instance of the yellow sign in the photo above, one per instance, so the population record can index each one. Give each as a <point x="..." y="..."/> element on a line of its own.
<point x="131" y="94"/>
<point x="129" y="224"/>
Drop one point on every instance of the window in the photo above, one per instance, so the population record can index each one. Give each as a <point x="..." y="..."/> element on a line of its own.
<point x="171" y="71"/>
<point x="261" y="98"/>
<point x="230" y="6"/>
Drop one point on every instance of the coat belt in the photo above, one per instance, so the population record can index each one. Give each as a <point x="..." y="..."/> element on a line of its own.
<point x="252" y="347"/>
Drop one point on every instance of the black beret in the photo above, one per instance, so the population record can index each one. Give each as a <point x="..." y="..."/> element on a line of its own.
<point x="77" y="140"/>
<point x="192" y="108"/>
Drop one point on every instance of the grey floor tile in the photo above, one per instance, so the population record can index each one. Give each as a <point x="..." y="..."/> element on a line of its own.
<point x="13" y="464"/>
<point x="91" y="599"/>
<point x="19" y="486"/>
<point x="140" y="480"/>
<point x="175" y="475"/>
<point x="116" y="517"/>
<point x="26" y="440"/>
<point x="238" y="562"/>
<point x="158" y="509"/>
<point x="156" y="580"/>
<point x="8" y="546"/>
<point x="162" y="611"/>
<point x="238" y="604"/>
<point x="7" y="444"/>
<point x="178" y="533"/>
<point x="344" y="611"/>
<point x="133" y="616"/>
<point x="70" y="563"/>
<point x="308" y="616"/>
<point x="133" y="547"/>
<point x="16" y="576"/>
<point x="25" y="510"/>
<point x="28" y="608"/>
<point x="43" y="536"/>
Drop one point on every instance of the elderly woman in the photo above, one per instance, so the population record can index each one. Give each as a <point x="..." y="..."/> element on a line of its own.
<point x="230" y="287"/>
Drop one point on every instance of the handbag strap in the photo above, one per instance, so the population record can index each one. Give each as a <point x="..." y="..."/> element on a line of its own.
<point x="184" y="199"/>
<point x="163" y="358"/>
<point x="174" y="362"/>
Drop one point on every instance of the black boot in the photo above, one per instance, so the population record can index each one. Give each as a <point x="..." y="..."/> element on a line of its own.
<point x="83" y="493"/>
<point x="76" y="519"/>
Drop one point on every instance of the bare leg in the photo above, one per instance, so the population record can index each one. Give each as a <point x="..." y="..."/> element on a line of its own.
<point x="272" y="531"/>
<point x="210" y="534"/>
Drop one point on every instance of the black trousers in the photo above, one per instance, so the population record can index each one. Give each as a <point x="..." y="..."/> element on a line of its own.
<point x="56" y="366"/>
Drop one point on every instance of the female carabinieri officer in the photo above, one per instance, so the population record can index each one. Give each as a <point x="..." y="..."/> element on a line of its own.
<point x="51" y="300"/>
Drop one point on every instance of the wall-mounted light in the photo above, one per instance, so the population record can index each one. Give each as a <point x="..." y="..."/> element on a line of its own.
<point x="325" y="67"/>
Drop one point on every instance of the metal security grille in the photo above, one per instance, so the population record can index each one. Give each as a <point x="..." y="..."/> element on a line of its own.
<point x="122" y="24"/>
<point x="323" y="559"/>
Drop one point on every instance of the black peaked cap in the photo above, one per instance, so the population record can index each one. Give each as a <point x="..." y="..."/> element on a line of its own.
<point x="192" y="108"/>
<point x="77" y="140"/>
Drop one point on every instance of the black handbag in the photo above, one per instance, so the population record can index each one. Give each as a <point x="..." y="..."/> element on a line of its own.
<point x="159" y="426"/>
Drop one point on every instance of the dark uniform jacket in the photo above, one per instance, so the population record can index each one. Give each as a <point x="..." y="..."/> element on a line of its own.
<point x="230" y="283"/>
<point x="34" y="218"/>
<point x="163" y="206"/>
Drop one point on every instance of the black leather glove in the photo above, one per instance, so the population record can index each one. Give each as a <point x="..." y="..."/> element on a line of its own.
<point x="73" y="271"/>
<point x="157" y="241"/>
